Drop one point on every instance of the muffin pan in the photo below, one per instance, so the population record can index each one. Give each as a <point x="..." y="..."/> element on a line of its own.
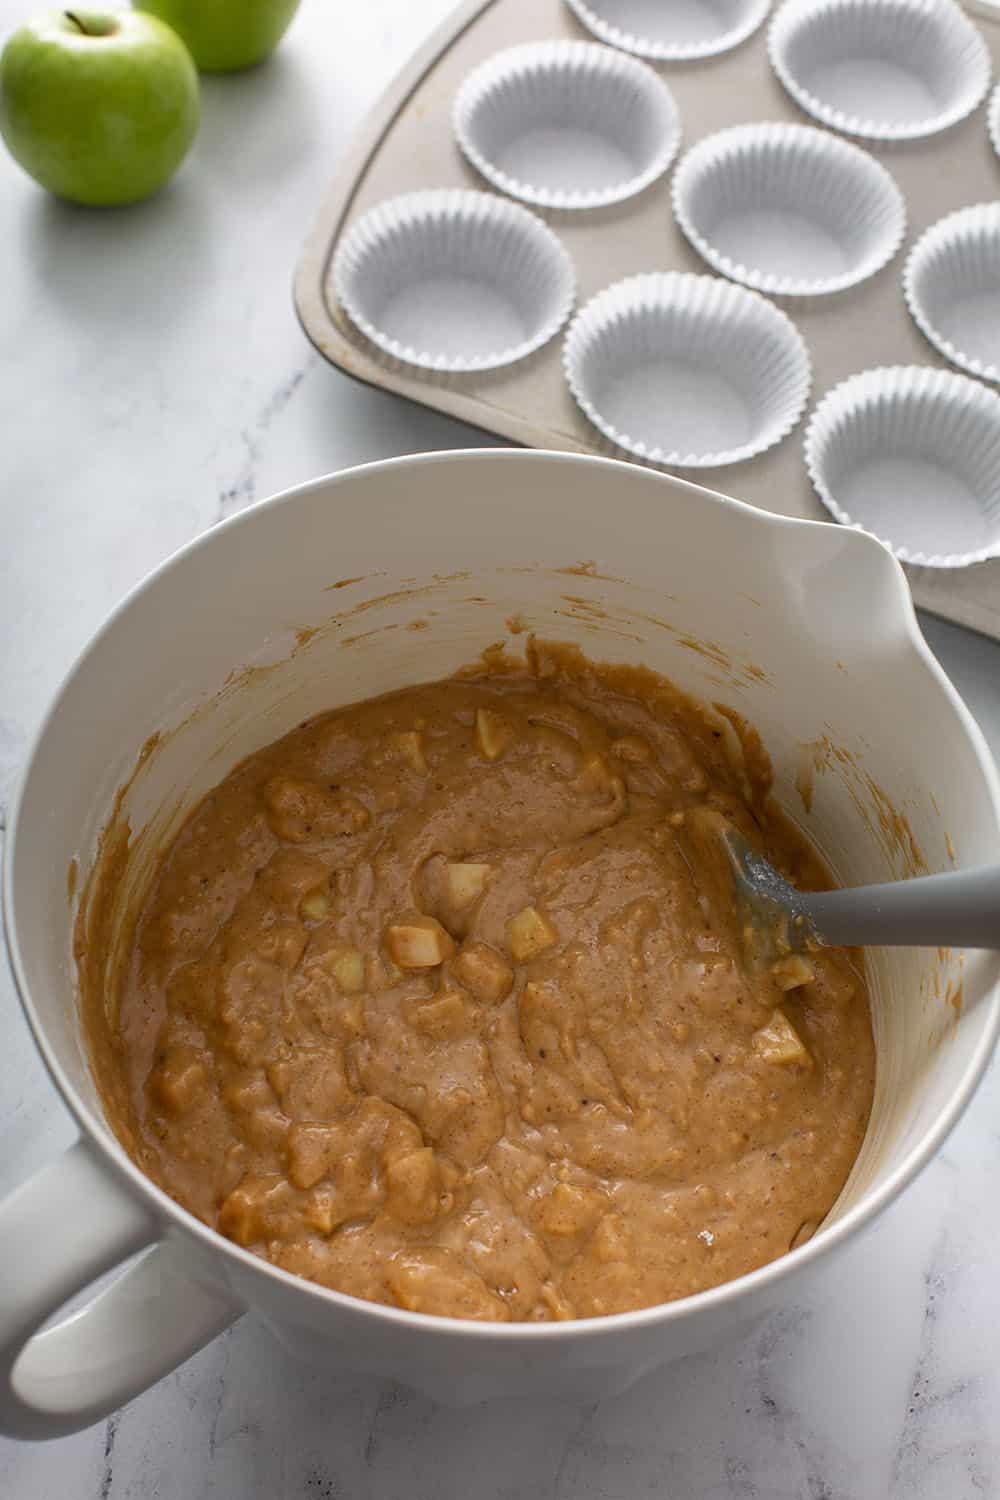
<point x="410" y="143"/>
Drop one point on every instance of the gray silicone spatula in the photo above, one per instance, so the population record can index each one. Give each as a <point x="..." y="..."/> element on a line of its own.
<point x="959" y="909"/>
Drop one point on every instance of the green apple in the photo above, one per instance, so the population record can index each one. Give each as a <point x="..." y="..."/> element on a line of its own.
<point x="223" y="35"/>
<point x="98" y="106"/>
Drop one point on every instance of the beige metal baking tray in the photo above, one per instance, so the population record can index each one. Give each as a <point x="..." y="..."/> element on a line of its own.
<point x="407" y="143"/>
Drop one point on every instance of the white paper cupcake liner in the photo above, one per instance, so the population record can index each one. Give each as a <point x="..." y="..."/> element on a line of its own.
<point x="912" y="455"/>
<point x="567" y="125"/>
<point x="952" y="288"/>
<point x="788" y="209"/>
<point x="454" y="281"/>
<point x="668" y="31"/>
<point x="993" y="119"/>
<point x="885" y="69"/>
<point x="687" y="371"/>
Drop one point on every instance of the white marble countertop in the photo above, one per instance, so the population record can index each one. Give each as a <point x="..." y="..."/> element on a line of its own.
<point x="154" y="379"/>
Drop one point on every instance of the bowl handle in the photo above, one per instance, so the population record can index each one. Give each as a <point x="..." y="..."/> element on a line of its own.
<point x="65" y="1226"/>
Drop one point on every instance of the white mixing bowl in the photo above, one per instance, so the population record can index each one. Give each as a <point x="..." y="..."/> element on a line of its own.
<point x="806" y="629"/>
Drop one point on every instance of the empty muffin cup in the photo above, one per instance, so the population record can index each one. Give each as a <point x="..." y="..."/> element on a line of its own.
<point x="674" y="31"/>
<point x="885" y="69"/>
<point x="788" y="209"/>
<point x="912" y="455"/>
<point x="952" y="288"/>
<point x="566" y="124"/>
<point x="454" y="281"/>
<point x="687" y="371"/>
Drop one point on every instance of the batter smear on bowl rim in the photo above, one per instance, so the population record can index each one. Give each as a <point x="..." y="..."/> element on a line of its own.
<point x="442" y="1001"/>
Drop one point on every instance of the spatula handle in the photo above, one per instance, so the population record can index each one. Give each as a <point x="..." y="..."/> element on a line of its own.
<point x="959" y="909"/>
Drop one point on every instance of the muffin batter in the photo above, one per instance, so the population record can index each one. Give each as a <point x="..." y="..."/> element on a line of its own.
<point x="442" y="1001"/>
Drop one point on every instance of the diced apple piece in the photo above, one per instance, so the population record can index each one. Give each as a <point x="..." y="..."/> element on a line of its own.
<point x="356" y="1191"/>
<point x="444" y="1014"/>
<point x="358" y="1183"/>
<point x="435" y="1281"/>
<point x="255" y="1210"/>
<point x="311" y="1149"/>
<point x="778" y="1042"/>
<point x="493" y="733"/>
<point x="569" y="1210"/>
<point x="315" y="905"/>
<point x="324" y="1210"/>
<point x="484" y="972"/>
<point x="180" y="1080"/>
<point x="529" y="933"/>
<point x="596" y="779"/>
<point x="413" y="1187"/>
<point x="556" y="1303"/>
<point x="464" y="884"/>
<point x="418" y="942"/>
<point x="348" y="969"/>
<point x="408" y="745"/>
<point x="793" y="971"/>
<point x="298" y="811"/>
<point x="610" y="1242"/>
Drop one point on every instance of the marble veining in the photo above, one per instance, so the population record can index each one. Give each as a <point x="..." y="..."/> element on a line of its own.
<point x="155" y="381"/>
<point x="241" y="489"/>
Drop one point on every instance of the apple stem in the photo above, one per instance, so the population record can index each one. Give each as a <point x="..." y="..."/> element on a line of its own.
<point x="95" y="26"/>
<point x="80" y="26"/>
